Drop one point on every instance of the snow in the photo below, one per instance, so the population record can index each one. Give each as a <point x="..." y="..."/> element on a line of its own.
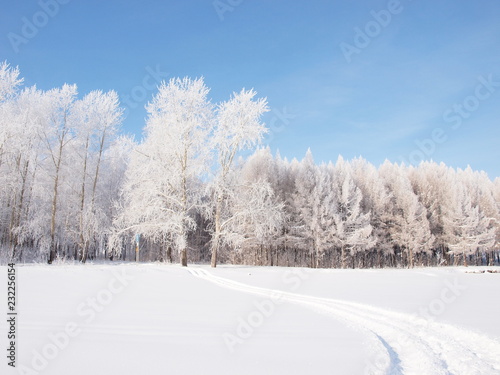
<point x="155" y="318"/>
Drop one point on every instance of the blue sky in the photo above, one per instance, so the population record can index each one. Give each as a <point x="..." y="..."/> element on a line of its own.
<point x="423" y="81"/>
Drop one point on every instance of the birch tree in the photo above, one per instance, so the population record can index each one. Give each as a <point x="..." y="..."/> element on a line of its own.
<point x="22" y="162"/>
<point x="96" y="118"/>
<point x="161" y="186"/>
<point x="56" y="139"/>
<point x="9" y="87"/>
<point x="238" y="127"/>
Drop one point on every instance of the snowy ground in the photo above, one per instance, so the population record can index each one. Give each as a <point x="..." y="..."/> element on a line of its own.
<point x="161" y="319"/>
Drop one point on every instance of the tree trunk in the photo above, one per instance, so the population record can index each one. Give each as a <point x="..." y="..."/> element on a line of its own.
<point x="17" y="210"/>
<point x="213" y="260"/>
<point x="184" y="258"/>
<point x="215" y="240"/>
<point x="82" y="245"/>
<point x="169" y="254"/>
<point x="52" y="254"/>
<point x="57" y="164"/>
<point x="184" y="201"/>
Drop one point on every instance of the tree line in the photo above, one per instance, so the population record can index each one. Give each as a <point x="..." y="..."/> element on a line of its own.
<point x="73" y="187"/>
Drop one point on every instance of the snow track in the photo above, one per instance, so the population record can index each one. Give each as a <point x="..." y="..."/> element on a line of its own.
<point x="404" y="344"/>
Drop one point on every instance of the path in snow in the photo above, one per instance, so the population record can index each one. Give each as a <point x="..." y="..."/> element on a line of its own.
<point x="404" y="343"/>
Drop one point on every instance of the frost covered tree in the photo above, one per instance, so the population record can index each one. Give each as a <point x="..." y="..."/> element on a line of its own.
<point x="283" y="183"/>
<point x="72" y="187"/>
<point x="10" y="116"/>
<point x="323" y="214"/>
<point x="116" y="160"/>
<point x="408" y="228"/>
<point x="19" y="112"/>
<point x="482" y="195"/>
<point x="22" y="163"/>
<point x="314" y="205"/>
<point x="9" y="81"/>
<point x="496" y="195"/>
<point x="96" y="119"/>
<point x="353" y="231"/>
<point x="162" y="190"/>
<point x="255" y="219"/>
<point x="255" y="214"/>
<point x="56" y="138"/>
<point x="468" y="228"/>
<point x="375" y="200"/>
<point x="434" y="185"/>
<point x="238" y="127"/>
<point x="305" y="177"/>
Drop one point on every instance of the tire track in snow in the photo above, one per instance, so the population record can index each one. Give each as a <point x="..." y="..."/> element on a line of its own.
<point x="403" y="346"/>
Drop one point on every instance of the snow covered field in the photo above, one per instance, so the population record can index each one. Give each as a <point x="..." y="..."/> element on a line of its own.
<point x="162" y="319"/>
